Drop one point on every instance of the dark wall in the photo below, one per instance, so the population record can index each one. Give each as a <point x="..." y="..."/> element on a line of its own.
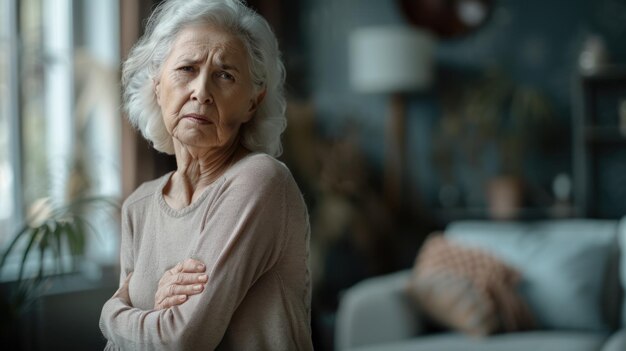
<point x="536" y="43"/>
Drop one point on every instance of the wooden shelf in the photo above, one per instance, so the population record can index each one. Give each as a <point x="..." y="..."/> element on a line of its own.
<point x="605" y="134"/>
<point x="599" y="142"/>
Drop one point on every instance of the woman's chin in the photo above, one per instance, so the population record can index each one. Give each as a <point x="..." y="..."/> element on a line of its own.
<point x="195" y="140"/>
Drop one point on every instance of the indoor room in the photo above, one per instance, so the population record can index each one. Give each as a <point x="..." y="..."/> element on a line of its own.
<point x="441" y="175"/>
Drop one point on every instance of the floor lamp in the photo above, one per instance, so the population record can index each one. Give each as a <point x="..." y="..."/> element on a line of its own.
<point x="394" y="61"/>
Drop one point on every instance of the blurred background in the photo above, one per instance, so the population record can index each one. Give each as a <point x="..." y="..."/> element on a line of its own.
<point x="404" y="116"/>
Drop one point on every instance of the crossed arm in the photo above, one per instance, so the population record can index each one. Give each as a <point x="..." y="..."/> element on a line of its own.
<point x="185" y="279"/>
<point x="253" y="238"/>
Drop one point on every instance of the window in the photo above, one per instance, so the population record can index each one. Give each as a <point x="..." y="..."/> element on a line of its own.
<point x="59" y="110"/>
<point x="9" y="177"/>
<point x="6" y="174"/>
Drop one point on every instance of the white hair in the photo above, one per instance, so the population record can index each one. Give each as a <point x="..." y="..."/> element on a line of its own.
<point x="143" y="66"/>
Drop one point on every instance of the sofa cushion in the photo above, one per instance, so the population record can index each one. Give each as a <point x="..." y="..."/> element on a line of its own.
<point x="562" y="264"/>
<point x="467" y="289"/>
<point x="534" y="341"/>
<point x="376" y="310"/>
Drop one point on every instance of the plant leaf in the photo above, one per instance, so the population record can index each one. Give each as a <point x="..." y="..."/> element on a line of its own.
<point x="33" y="237"/>
<point x="58" y="247"/>
<point x="42" y="256"/>
<point x="25" y="229"/>
<point x="81" y="231"/>
<point x="71" y="237"/>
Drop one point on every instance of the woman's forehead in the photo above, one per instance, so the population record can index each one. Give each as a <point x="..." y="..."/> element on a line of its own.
<point x="197" y="40"/>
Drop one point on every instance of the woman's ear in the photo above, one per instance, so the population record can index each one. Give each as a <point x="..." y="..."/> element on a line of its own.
<point x="254" y="104"/>
<point x="156" y="82"/>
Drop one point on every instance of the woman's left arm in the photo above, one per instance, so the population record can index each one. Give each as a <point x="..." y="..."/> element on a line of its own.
<point x="245" y="237"/>
<point x="127" y="263"/>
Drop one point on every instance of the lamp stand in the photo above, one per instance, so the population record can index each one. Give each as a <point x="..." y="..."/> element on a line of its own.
<point x="395" y="150"/>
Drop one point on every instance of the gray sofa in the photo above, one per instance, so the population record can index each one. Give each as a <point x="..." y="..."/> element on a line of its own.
<point x="574" y="278"/>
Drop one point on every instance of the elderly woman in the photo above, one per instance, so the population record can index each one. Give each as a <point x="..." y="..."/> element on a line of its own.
<point x="214" y="255"/>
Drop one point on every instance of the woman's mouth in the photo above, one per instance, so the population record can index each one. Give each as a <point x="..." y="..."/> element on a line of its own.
<point x="196" y="118"/>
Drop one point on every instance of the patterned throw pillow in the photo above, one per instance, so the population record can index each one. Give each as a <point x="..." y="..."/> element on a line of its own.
<point x="467" y="290"/>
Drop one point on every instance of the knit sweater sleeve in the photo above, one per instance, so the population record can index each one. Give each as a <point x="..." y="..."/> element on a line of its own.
<point x="243" y="238"/>
<point x="126" y="261"/>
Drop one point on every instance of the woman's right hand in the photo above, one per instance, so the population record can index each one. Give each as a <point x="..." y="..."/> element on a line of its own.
<point x="177" y="284"/>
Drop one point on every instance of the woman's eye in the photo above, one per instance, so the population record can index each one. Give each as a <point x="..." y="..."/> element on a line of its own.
<point x="186" y="69"/>
<point x="225" y="75"/>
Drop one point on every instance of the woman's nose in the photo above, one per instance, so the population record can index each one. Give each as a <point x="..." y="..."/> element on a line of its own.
<point x="201" y="92"/>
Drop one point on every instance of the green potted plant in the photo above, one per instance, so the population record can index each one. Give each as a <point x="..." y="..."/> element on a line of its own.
<point x="54" y="234"/>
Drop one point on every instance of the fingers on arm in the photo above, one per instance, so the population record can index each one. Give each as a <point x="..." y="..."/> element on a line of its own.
<point x="189" y="278"/>
<point x="189" y="289"/>
<point x="185" y="279"/>
<point x="191" y="265"/>
<point x="171" y="301"/>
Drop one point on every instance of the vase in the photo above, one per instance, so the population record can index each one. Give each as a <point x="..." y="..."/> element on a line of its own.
<point x="504" y="197"/>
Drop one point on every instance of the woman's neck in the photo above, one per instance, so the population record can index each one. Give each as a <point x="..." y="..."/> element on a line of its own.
<point x="197" y="169"/>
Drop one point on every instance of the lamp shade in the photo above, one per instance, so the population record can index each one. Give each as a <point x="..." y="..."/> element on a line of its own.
<point x="390" y="59"/>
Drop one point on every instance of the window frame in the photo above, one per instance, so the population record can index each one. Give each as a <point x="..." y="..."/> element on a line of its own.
<point x="59" y="24"/>
<point x="11" y="12"/>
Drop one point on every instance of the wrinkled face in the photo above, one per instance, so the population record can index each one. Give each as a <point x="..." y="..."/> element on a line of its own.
<point x="205" y="90"/>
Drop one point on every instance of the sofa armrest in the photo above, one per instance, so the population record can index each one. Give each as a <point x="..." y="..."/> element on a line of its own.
<point x="617" y="341"/>
<point x="376" y="310"/>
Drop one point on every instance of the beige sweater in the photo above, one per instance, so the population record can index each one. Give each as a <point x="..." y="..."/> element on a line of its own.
<point x="251" y="229"/>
